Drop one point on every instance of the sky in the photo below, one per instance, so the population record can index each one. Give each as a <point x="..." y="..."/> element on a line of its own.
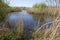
<point x="26" y="3"/>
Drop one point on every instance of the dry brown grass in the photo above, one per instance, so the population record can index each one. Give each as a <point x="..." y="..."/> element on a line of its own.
<point x="45" y="11"/>
<point x="52" y="33"/>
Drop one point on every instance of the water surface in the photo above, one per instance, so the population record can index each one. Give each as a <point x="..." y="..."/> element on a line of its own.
<point x="27" y="19"/>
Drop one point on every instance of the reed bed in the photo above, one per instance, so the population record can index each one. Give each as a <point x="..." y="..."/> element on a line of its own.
<point x="48" y="33"/>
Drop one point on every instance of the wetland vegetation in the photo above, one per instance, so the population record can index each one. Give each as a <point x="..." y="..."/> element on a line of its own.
<point x="39" y="22"/>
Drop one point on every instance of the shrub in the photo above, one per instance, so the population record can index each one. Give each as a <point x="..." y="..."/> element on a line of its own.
<point x="41" y="5"/>
<point x="3" y="10"/>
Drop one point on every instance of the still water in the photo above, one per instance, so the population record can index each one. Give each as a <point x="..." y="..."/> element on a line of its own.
<point x="27" y="19"/>
<point x="23" y="16"/>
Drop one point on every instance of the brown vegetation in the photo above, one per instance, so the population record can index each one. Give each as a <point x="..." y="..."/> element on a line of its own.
<point x="45" y="11"/>
<point x="48" y="33"/>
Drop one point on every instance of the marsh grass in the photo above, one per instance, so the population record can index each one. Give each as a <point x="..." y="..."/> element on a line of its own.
<point x="9" y="33"/>
<point x="48" y="33"/>
<point x="42" y="33"/>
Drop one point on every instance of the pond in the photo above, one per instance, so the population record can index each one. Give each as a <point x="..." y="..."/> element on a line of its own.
<point x="30" y="21"/>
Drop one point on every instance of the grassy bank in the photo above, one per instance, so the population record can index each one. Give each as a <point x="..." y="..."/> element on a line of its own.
<point x="46" y="33"/>
<point x="14" y="9"/>
<point x="45" y="11"/>
<point x="5" y="9"/>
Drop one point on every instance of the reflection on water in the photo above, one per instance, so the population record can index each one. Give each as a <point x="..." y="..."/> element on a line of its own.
<point x="24" y="15"/>
<point x="28" y="20"/>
